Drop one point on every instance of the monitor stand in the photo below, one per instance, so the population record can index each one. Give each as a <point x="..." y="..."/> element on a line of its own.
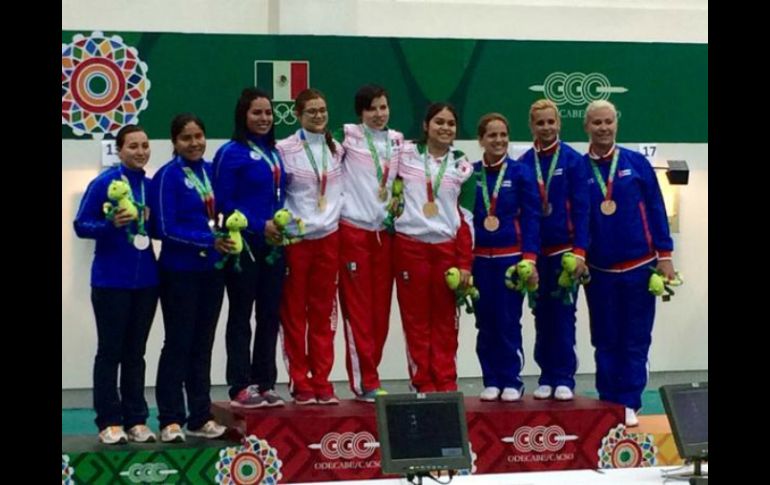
<point x="696" y="476"/>
<point x="416" y="478"/>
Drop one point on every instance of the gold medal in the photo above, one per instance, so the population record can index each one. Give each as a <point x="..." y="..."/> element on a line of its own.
<point x="491" y="223"/>
<point x="608" y="207"/>
<point x="430" y="209"/>
<point x="547" y="210"/>
<point x="321" y="203"/>
<point x="383" y="194"/>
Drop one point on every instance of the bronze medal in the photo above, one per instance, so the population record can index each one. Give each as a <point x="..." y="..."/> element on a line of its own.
<point x="321" y="203"/>
<point x="547" y="210"/>
<point x="430" y="209"/>
<point x="383" y="194"/>
<point x="608" y="207"/>
<point x="491" y="223"/>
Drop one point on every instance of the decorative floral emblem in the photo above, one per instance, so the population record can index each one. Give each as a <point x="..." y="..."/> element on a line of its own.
<point x="254" y="462"/>
<point x="627" y="450"/>
<point x="104" y="85"/>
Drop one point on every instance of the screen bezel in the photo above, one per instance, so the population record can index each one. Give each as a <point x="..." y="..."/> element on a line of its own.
<point x="669" y="395"/>
<point x="408" y="466"/>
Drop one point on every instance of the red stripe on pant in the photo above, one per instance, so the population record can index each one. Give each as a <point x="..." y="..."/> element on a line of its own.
<point x="308" y="313"/>
<point x="428" y="312"/>
<point x="366" y="287"/>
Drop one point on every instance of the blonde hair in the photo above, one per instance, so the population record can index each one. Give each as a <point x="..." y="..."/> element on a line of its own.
<point x="597" y="105"/>
<point x="543" y="104"/>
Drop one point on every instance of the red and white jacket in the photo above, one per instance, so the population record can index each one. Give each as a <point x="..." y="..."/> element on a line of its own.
<point x="361" y="204"/>
<point x="413" y="222"/>
<point x="302" y="185"/>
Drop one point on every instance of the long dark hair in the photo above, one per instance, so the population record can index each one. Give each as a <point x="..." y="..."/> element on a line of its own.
<point x="241" y="131"/>
<point x="299" y="107"/>
<point x="180" y="121"/>
<point x="432" y="111"/>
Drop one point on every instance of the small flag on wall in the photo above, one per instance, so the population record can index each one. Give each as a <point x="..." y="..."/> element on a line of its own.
<point x="283" y="80"/>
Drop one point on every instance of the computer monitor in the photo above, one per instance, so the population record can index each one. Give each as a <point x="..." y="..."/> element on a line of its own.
<point x="420" y="433"/>
<point x="687" y="408"/>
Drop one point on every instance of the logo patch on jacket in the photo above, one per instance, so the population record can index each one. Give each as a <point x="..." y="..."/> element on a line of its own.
<point x="624" y="173"/>
<point x="558" y="171"/>
<point x="507" y="183"/>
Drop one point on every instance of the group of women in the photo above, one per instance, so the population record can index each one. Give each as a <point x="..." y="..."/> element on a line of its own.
<point x="605" y="208"/>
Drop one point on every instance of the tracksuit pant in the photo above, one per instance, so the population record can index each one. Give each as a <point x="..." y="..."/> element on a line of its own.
<point x="498" y="318"/>
<point x="428" y="312"/>
<point x="366" y="287"/>
<point x="622" y="311"/>
<point x="309" y="313"/>
<point x="555" y="327"/>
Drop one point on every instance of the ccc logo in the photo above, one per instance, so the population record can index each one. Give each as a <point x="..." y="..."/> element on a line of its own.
<point x="577" y="88"/>
<point x="539" y="438"/>
<point x="147" y="472"/>
<point x="346" y="445"/>
<point x="283" y="114"/>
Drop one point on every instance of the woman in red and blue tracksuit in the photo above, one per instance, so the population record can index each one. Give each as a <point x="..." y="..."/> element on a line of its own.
<point x="629" y="235"/>
<point x="563" y="195"/>
<point x="249" y="176"/>
<point x="191" y="288"/>
<point x="506" y="221"/>
<point x="124" y="292"/>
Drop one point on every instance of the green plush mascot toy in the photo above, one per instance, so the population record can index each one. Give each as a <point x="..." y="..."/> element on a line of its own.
<point x="463" y="296"/>
<point x="235" y="223"/>
<point x="567" y="283"/>
<point x="516" y="277"/>
<point x="658" y="285"/>
<point x="284" y="221"/>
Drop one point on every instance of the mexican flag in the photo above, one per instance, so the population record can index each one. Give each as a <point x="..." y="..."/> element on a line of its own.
<point x="283" y="80"/>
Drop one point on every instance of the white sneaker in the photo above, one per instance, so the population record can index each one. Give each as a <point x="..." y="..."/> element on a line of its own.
<point x="543" y="392"/>
<point x="172" y="434"/>
<point x="211" y="429"/>
<point x="490" y="394"/>
<point x="113" y="435"/>
<point x="631" y="419"/>
<point x="141" y="434"/>
<point x="563" y="393"/>
<point x="510" y="394"/>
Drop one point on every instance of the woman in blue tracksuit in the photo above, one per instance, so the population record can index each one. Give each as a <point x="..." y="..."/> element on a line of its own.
<point x="629" y="236"/>
<point x="249" y="177"/>
<point x="191" y="288"/>
<point x="124" y="291"/>
<point x="562" y="185"/>
<point x="506" y="220"/>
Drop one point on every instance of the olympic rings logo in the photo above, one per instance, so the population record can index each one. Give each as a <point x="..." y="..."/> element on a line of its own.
<point x="577" y="88"/>
<point x="283" y="113"/>
<point x="148" y="472"/>
<point x="539" y="438"/>
<point x="346" y="445"/>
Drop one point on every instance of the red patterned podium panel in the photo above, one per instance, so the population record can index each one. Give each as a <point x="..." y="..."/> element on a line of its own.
<point x="318" y="443"/>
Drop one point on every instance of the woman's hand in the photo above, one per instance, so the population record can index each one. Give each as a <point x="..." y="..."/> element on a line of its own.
<point x="122" y="218"/>
<point x="224" y="245"/>
<point x="666" y="268"/>
<point x="272" y="234"/>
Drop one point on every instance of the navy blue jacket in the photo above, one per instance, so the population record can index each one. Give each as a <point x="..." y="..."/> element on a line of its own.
<point x="518" y="209"/>
<point x="181" y="220"/>
<point x="244" y="181"/>
<point x="117" y="263"/>
<point x="568" y="195"/>
<point x="638" y="230"/>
